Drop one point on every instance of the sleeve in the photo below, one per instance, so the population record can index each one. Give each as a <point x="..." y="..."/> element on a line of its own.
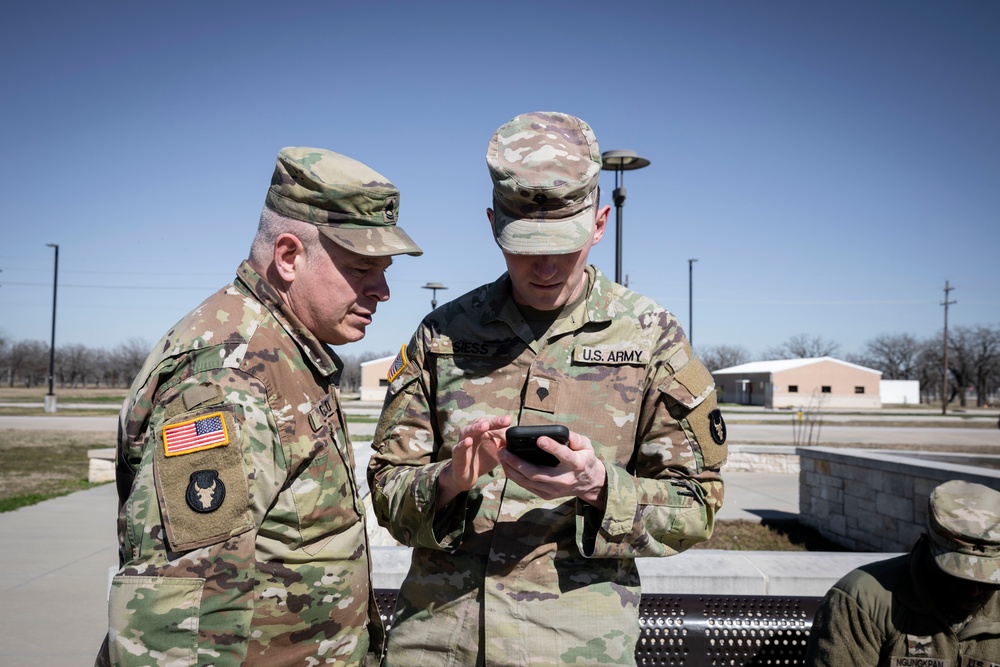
<point x="187" y="527"/>
<point x="403" y="470"/>
<point x="843" y="634"/>
<point x="666" y="500"/>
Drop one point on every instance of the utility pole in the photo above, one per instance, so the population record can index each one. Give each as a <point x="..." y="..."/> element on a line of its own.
<point x="944" y="396"/>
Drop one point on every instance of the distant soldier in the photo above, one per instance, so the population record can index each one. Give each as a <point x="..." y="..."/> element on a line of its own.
<point x="242" y="537"/>
<point x="936" y="606"/>
<point x="516" y="563"/>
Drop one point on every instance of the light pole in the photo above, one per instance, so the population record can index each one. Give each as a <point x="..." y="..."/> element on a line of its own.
<point x="619" y="162"/>
<point x="50" y="398"/>
<point x="691" y="301"/>
<point x="434" y="287"/>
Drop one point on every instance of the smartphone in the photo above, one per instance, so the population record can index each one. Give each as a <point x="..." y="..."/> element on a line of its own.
<point x="521" y="441"/>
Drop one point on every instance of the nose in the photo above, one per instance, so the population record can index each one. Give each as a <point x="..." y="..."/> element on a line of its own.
<point x="378" y="287"/>
<point x="545" y="266"/>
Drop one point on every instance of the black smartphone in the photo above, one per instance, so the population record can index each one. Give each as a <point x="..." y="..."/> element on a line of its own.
<point x="521" y="441"/>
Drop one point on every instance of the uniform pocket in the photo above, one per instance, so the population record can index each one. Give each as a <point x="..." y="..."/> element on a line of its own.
<point x="154" y="620"/>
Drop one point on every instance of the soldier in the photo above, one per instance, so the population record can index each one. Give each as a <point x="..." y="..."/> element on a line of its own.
<point x="936" y="606"/>
<point x="516" y="563"/>
<point x="242" y="537"/>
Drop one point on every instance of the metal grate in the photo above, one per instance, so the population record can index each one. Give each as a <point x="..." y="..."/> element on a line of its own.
<point x="709" y="631"/>
<point x="731" y="631"/>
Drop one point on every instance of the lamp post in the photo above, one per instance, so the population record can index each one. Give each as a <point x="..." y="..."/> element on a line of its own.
<point x="619" y="162"/>
<point x="434" y="287"/>
<point x="691" y="301"/>
<point x="50" y="398"/>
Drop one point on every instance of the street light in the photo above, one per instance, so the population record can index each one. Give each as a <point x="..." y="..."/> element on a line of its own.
<point x="620" y="162"/>
<point x="435" y="287"/>
<point x="691" y="302"/>
<point x="50" y="398"/>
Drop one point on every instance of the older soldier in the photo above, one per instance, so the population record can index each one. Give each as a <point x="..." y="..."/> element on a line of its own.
<point x="516" y="563"/>
<point x="242" y="537"/>
<point x="934" y="607"/>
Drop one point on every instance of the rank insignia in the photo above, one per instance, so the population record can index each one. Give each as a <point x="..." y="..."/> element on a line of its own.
<point x="205" y="491"/>
<point x="398" y="365"/>
<point x="195" y="435"/>
<point x="717" y="426"/>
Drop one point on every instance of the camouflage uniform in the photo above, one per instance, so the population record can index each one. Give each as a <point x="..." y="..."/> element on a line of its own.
<point x="242" y="536"/>
<point x="500" y="576"/>
<point x="885" y="614"/>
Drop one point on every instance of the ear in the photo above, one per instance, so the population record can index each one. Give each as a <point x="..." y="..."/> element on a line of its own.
<point x="289" y="254"/>
<point x="600" y="224"/>
<point x="489" y="214"/>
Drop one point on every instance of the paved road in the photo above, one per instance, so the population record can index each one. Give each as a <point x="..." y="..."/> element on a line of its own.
<point x="739" y="433"/>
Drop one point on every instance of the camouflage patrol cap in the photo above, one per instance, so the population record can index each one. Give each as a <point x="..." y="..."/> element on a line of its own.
<point x="352" y="204"/>
<point x="963" y="522"/>
<point x="545" y="168"/>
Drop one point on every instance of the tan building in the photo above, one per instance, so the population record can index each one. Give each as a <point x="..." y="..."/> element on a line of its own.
<point x="816" y="383"/>
<point x="374" y="378"/>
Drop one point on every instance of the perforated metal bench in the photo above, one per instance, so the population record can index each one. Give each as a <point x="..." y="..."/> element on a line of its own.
<point x="703" y="630"/>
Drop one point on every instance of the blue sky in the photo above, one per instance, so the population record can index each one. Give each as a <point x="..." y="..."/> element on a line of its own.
<point x="829" y="164"/>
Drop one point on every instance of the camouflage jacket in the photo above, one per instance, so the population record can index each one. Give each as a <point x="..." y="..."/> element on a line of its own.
<point x="880" y="615"/>
<point x="242" y="538"/>
<point x="501" y="576"/>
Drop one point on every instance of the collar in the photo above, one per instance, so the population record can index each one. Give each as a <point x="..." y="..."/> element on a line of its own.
<point x="322" y="358"/>
<point x="599" y="306"/>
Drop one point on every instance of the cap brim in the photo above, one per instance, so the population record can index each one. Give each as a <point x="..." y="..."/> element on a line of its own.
<point x="543" y="237"/>
<point x="372" y="241"/>
<point x="966" y="566"/>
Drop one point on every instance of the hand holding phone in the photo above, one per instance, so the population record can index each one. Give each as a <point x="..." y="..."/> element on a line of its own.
<point x="521" y="440"/>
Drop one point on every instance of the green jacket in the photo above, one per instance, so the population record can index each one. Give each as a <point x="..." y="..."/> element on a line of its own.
<point x="880" y="615"/>
<point x="501" y="576"/>
<point x="242" y="538"/>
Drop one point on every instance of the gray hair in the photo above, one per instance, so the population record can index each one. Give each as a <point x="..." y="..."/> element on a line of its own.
<point x="271" y="226"/>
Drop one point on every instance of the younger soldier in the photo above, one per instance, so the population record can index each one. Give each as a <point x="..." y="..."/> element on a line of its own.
<point x="242" y="538"/>
<point x="516" y="563"/>
<point x="934" y="607"/>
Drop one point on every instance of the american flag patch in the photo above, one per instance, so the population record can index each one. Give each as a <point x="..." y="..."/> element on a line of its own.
<point x="397" y="365"/>
<point x="195" y="435"/>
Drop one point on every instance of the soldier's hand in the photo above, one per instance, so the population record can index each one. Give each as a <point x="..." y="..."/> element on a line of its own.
<point x="473" y="456"/>
<point x="580" y="473"/>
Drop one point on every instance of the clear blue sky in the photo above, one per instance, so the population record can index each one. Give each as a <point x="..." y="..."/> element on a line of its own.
<point x="829" y="164"/>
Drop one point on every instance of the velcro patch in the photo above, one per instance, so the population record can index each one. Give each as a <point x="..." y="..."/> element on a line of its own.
<point x="918" y="661"/>
<point x="398" y="365"/>
<point x="609" y="355"/>
<point x="195" y="435"/>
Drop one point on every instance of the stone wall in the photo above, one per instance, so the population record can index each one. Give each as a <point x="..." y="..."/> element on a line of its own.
<point x="876" y="500"/>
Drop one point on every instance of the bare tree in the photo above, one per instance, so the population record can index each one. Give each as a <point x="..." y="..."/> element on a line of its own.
<point x="982" y="357"/>
<point x="723" y="356"/>
<point x="126" y="361"/>
<point x="28" y="363"/>
<point x="803" y="346"/>
<point x="4" y="352"/>
<point x="74" y="364"/>
<point x="893" y="354"/>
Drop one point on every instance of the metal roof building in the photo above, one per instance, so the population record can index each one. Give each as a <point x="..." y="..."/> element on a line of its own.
<point x="813" y="383"/>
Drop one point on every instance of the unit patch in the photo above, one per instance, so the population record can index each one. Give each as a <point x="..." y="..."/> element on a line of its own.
<point x="611" y="355"/>
<point x="205" y="491"/>
<point x="717" y="426"/>
<point x="195" y="435"/>
<point x="398" y="365"/>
